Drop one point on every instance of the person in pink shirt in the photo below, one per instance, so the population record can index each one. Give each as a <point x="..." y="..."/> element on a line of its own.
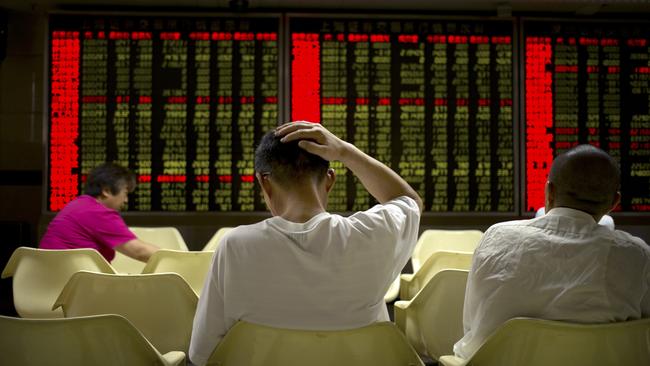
<point x="92" y="220"/>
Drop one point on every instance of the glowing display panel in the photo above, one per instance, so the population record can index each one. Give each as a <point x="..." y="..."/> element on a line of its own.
<point x="432" y="99"/>
<point x="180" y="101"/>
<point x="588" y="83"/>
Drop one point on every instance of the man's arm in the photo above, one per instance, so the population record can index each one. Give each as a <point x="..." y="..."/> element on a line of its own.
<point x="137" y="249"/>
<point x="380" y="181"/>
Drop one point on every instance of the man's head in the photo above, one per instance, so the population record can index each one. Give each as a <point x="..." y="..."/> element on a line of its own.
<point x="288" y="167"/>
<point x="110" y="184"/>
<point x="585" y="178"/>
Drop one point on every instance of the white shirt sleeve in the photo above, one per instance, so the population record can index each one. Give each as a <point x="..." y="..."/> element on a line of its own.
<point x="209" y="320"/>
<point x="395" y="222"/>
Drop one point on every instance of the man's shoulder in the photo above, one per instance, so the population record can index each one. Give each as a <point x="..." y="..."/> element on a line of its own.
<point x="243" y="234"/>
<point x="626" y="239"/>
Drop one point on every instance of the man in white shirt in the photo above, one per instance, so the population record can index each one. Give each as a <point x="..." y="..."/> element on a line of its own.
<point x="563" y="265"/>
<point x="305" y="268"/>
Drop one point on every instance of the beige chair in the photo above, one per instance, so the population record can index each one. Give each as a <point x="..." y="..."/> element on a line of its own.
<point x="192" y="266"/>
<point x="379" y="344"/>
<point x="163" y="237"/>
<point x="431" y="241"/>
<point x="433" y="320"/>
<point x="160" y="305"/>
<point x="536" y="342"/>
<point x="103" y="340"/>
<point x="412" y="283"/>
<point x="40" y="274"/>
<point x="213" y="243"/>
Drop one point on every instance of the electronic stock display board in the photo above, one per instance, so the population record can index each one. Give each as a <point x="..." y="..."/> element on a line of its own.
<point x="181" y="101"/>
<point x="588" y="83"/>
<point x="431" y="98"/>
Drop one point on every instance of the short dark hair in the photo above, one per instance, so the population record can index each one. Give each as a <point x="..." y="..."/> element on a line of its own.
<point x="111" y="176"/>
<point x="287" y="162"/>
<point x="585" y="178"/>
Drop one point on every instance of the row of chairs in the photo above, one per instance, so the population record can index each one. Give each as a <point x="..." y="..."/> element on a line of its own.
<point x="113" y="340"/>
<point x="429" y="318"/>
<point x="39" y="275"/>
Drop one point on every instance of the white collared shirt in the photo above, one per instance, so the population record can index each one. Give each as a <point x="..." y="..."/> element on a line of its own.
<point x="561" y="266"/>
<point x="328" y="273"/>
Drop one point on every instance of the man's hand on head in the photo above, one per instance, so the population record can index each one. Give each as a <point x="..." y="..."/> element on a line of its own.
<point x="313" y="138"/>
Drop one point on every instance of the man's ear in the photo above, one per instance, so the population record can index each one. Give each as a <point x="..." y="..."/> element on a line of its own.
<point x="263" y="180"/>
<point x="549" y="196"/>
<point x="330" y="179"/>
<point x="615" y="201"/>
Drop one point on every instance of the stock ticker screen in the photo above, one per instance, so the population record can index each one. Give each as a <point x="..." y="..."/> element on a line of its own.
<point x="181" y="101"/>
<point x="588" y="83"/>
<point x="433" y="99"/>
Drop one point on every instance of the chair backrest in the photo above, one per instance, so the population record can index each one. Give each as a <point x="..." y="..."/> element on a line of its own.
<point x="435" y="263"/>
<point x="379" y="344"/>
<point x="192" y="266"/>
<point x="536" y="342"/>
<point x="213" y="243"/>
<point x="40" y="274"/>
<point x="433" y="320"/>
<point x="95" y="340"/>
<point x="163" y="237"/>
<point x="431" y="241"/>
<point x="160" y="305"/>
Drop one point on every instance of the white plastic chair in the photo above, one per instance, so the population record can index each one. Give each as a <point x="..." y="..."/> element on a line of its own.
<point x="433" y="320"/>
<point x="192" y="266"/>
<point x="412" y="283"/>
<point x="40" y="274"/>
<point x="161" y="305"/>
<point x="536" y="342"/>
<point x="102" y="340"/>
<point x="162" y="237"/>
<point x="431" y="241"/>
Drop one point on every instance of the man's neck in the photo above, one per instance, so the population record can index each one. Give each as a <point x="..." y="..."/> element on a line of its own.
<point x="300" y="206"/>
<point x="300" y="209"/>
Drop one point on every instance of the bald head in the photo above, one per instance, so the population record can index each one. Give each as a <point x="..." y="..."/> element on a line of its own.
<point x="585" y="178"/>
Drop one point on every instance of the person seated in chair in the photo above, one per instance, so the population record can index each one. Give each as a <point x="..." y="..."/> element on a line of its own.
<point x="562" y="265"/>
<point x="92" y="220"/>
<point x="305" y="268"/>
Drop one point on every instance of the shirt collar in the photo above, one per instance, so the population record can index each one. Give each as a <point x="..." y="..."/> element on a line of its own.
<point x="297" y="226"/>
<point x="571" y="212"/>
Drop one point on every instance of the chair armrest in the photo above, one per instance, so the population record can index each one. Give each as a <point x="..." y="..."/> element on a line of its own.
<point x="451" y="361"/>
<point x="405" y="282"/>
<point x="399" y="312"/>
<point x="174" y="358"/>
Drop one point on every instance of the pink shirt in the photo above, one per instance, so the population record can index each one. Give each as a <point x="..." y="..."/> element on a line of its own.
<point x="86" y="223"/>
